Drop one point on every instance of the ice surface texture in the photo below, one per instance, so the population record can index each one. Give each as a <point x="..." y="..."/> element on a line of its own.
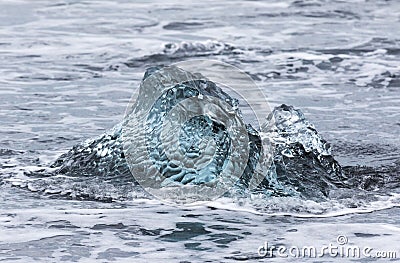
<point x="302" y="162"/>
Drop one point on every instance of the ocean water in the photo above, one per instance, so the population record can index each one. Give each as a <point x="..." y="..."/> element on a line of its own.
<point x="70" y="67"/>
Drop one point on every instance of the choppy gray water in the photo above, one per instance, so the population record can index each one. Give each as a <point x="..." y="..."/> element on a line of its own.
<point x="69" y="69"/>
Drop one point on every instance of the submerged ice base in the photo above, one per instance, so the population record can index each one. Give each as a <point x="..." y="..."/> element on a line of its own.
<point x="302" y="162"/>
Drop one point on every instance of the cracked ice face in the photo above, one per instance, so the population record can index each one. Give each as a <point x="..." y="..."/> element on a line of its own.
<point x="185" y="130"/>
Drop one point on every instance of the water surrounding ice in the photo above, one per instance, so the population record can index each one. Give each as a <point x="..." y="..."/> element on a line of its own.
<point x="70" y="67"/>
